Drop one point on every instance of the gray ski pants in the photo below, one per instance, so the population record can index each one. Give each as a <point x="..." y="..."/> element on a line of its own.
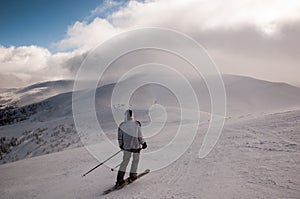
<point x="134" y="164"/>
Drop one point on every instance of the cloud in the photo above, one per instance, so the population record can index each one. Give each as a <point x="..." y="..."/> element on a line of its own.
<point x="24" y="58"/>
<point x="198" y="15"/>
<point x="22" y="64"/>
<point x="256" y="38"/>
<point x="250" y="37"/>
<point x="28" y="64"/>
<point x="106" y="8"/>
<point x="84" y="36"/>
<point x="267" y="19"/>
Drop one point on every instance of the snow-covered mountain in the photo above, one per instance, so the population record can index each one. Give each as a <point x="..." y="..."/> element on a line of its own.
<point x="256" y="155"/>
<point x="244" y="95"/>
<point x="47" y="126"/>
<point x="19" y="97"/>
<point x="249" y="95"/>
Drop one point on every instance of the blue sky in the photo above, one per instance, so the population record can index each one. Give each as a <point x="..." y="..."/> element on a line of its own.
<point x="40" y="22"/>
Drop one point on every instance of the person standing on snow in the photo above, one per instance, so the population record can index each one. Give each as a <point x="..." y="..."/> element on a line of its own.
<point x="130" y="140"/>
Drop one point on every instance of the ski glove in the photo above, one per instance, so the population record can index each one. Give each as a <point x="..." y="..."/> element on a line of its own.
<point x="144" y="145"/>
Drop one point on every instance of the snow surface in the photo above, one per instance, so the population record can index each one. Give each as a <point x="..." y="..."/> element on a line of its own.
<point x="257" y="155"/>
<point x="254" y="158"/>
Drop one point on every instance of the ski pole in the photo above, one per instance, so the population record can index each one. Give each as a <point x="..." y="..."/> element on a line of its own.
<point x="112" y="169"/>
<point x="101" y="163"/>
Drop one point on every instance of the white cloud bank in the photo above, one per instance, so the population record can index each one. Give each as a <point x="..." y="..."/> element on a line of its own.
<point x="28" y="64"/>
<point x="250" y="37"/>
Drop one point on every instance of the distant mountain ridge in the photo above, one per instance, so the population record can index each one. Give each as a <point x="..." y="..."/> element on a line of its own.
<point x="34" y="93"/>
<point x="46" y="125"/>
<point x="244" y="95"/>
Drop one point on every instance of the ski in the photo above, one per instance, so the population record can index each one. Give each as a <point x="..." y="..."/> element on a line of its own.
<point x="126" y="182"/>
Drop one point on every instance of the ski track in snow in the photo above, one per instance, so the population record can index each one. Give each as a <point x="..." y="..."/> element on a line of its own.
<point x="254" y="158"/>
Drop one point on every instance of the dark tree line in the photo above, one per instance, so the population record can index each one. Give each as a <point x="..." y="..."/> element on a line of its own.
<point x="6" y="145"/>
<point x="14" y="115"/>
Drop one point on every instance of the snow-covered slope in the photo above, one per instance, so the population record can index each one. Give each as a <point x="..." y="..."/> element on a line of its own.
<point x="47" y="126"/>
<point x="34" y="93"/>
<point x="254" y="158"/>
<point x="249" y="95"/>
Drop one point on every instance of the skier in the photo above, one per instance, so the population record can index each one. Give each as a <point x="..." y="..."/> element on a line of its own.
<point x="130" y="140"/>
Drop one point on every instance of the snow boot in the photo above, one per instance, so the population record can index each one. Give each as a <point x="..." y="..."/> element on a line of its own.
<point x="120" y="179"/>
<point x="132" y="177"/>
<point x="120" y="184"/>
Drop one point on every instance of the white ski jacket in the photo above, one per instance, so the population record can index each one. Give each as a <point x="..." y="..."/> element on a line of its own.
<point x="129" y="134"/>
